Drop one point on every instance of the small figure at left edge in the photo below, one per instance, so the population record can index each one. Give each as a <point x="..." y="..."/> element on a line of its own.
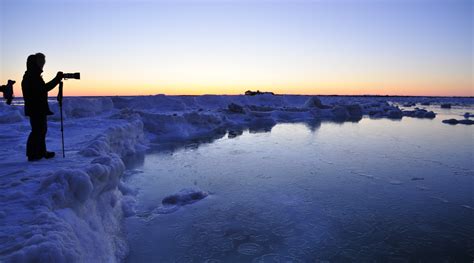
<point x="8" y="91"/>
<point x="35" y="93"/>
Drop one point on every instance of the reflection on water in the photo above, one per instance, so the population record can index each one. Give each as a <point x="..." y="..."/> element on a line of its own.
<point x="376" y="190"/>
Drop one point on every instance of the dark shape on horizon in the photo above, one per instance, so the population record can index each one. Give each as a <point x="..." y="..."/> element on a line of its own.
<point x="258" y="92"/>
<point x="8" y="91"/>
<point x="35" y="94"/>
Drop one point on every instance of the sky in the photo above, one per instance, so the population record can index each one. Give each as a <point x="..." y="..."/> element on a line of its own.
<point x="145" y="47"/>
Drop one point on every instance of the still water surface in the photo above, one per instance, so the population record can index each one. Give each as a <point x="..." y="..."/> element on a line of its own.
<point x="376" y="190"/>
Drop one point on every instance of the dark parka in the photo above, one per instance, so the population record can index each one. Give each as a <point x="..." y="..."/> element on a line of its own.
<point x="35" y="90"/>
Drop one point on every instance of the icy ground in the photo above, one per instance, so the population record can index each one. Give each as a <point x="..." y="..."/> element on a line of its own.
<point x="72" y="209"/>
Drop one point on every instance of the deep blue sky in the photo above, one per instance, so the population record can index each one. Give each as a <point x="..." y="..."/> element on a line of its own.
<point x="420" y="47"/>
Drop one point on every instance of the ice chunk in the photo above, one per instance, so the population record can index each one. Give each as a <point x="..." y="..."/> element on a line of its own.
<point x="419" y="113"/>
<point x="313" y="102"/>
<point x="446" y="105"/>
<point x="184" y="197"/>
<point x="417" y="178"/>
<point x="67" y="187"/>
<point x="466" y="122"/>
<point x="451" y="121"/>
<point x="174" y="202"/>
<point x="355" y="111"/>
<point x="10" y="115"/>
<point x="128" y="206"/>
<point x="86" y="107"/>
<point x="454" y="121"/>
<point x="235" y="108"/>
<point x="340" y="113"/>
<point x="395" y="114"/>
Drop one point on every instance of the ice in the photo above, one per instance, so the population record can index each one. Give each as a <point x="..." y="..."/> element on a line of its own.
<point x="235" y="108"/>
<point x="249" y="249"/>
<point x="446" y="105"/>
<point x="420" y="113"/>
<point x="454" y="121"/>
<point x="394" y="114"/>
<point x="124" y="139"/>
<point x="340" y="113"/>
<point x="86" y="107"/>
<point x="74" y="207"/>
<point x="174" y="202"/>
<point x="128" y="206"/>
<point x="314" y="102"/>
<point x="468" y="115"/>
<point x="67" y="187"/>
<point x="417" y="178"/>
<point x="10" y="114"/>
<point x="185" y="197"/>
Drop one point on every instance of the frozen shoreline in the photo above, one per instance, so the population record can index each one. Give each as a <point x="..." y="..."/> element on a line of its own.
<point x="70" y="210"/>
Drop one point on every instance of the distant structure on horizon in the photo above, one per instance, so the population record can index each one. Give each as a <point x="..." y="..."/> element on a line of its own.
<point x="258" y="92"/>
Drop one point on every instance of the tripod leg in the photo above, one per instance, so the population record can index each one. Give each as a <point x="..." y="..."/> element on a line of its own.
<point x="60" y="102"/>
<point x="62" y="131"/>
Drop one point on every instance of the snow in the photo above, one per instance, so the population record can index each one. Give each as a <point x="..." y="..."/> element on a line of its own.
<point x="66" y="210"/>
<point x="71" y="210"/>
<point x="10" y="114"/>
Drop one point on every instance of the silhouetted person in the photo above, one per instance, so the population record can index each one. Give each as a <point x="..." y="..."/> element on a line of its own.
<point x="35" y="94"/>
<point x="8" y="91"/>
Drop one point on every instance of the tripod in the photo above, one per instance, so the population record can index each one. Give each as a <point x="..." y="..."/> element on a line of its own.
<point x="60" y="103"/>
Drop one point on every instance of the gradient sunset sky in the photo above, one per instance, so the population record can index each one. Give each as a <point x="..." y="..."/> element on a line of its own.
<point x="394" y="47"/>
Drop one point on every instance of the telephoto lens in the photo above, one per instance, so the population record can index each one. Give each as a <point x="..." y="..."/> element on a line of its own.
<point x="76" y="75"/>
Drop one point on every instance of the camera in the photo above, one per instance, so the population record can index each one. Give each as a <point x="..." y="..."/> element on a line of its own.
<point x="76" y="75"/>
<point x="8" y="91"/>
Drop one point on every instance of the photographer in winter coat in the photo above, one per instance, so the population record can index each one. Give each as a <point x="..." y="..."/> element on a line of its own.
<point x="35" y="94"/>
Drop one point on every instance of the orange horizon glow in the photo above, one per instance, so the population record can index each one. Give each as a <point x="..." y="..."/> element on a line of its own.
<point x="334" y="89"/>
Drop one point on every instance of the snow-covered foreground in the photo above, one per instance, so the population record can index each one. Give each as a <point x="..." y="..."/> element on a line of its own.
<point x="71" y="210"/>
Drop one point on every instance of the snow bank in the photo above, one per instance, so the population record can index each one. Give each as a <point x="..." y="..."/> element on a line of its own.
<point x="11" y="114"/>
<point x="178" y="118"/>
<point x="185" y="126"/>
<point x="82" y="107"/>
<point x="124" y="139"/>
<point x="75" y="216"/>
<point x="72" y="210"/>
<point x="86" y="107"/>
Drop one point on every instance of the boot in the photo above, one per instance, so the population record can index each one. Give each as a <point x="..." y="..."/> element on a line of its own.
<point x="49" y="155"/>
<point x="34" y="158"/>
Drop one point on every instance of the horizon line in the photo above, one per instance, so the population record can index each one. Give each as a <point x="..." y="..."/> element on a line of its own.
<point x="321" y="95"/>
